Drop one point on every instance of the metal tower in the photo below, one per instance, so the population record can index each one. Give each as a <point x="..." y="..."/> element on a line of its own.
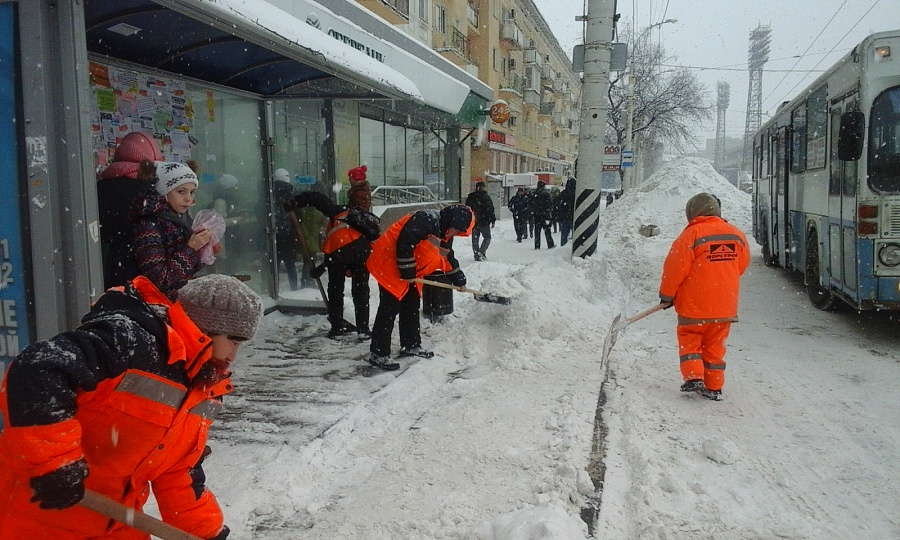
<point x="758" y="56"/>
<point x="724" y="91"/>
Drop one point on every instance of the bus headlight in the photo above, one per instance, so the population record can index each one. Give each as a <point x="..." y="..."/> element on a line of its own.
<point x="889" y="255"/>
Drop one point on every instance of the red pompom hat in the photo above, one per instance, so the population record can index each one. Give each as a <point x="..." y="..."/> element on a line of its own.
<point x="358" y="174"/>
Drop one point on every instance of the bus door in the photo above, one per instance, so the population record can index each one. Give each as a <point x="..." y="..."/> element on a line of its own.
<point x="780" y="217"/>
<point x="842" y="187"/>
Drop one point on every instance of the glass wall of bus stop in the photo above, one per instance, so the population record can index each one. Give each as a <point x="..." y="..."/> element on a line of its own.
<point x="407" y="156"/>
<point x="300" y="162"/>
<point x="217" y="132"/>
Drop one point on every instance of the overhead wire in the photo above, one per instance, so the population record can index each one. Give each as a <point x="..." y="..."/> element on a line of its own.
<point x="833" y="15"/>
<point x="790" y="92"/>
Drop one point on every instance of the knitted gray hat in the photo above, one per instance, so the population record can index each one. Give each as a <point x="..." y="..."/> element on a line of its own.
<point x="220" y="304"/>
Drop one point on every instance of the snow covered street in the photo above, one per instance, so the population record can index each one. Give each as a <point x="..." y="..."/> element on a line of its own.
<point x="495" y="438"/>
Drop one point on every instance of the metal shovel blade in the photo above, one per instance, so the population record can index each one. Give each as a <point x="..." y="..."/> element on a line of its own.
<point x="611" y="337"/>
<point x="492" y="298"/>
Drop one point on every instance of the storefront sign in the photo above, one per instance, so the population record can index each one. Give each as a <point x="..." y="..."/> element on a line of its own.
<point x="14" y="315"/>
<point x="497" y="136"/>
<point x="612" y="157"/>
<point x="499" y="112"/>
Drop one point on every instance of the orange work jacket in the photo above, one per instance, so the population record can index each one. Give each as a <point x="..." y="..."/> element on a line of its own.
<point x="133" y="429"/>
<point x="703" y="269"/>
<point x="382" y="263"/>
<point x="338" y="233"/>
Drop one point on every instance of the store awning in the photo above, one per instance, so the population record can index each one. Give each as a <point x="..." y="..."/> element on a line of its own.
<point x="251" y="46"/>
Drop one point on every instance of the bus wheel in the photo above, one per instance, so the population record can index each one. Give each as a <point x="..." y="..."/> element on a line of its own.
<point x="820" y="297"/>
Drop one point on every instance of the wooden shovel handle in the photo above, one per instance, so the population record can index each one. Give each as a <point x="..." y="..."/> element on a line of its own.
<point x="133" y="518"/>
<point x="446" y="286"/>
<point x="645" y="313"/>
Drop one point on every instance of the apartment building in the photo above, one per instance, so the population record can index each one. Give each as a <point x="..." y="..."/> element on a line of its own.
<point x="508" y="45"/>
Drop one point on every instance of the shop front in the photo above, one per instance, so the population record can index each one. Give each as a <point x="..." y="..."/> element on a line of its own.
<point x="238" y="95"/>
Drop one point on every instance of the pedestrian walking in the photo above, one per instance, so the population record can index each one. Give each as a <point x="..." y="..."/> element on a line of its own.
<point x="483" y="207"/>
<point x="417" y="245"/>
<point x="701" y="278"/>
<point x="554" y="210"/>
<point x="542" y="207"/>
<point x="519" y="206"/>
<point x="165" y="247"/>
<point x="349" y="234"/>
<point x="120" y="406"/>
<point x="566" y="211"/>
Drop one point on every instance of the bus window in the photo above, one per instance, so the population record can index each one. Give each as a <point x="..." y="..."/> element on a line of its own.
<point x="816" y="125"/>
<point x="798" y="139"/>
<point x="884" y="143"/>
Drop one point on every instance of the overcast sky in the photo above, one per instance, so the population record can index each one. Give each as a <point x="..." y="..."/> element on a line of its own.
<point x="712" y="37"/>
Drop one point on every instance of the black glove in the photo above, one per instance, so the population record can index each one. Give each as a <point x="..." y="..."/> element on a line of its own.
<point x="408" y="273"/>
<point x="290" y="205"/>
<point x="198" y="476"/>
<point x="457" y="278"/>
<point x="223" y="534"/>
<point x="62" y="488"/>
<point x="666" y="304"/>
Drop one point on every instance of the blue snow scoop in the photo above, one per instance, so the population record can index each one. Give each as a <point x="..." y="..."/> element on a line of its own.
<point x="618" y="325"/>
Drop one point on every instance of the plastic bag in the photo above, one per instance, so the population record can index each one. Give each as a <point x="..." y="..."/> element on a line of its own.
<point x="215" y="223"/>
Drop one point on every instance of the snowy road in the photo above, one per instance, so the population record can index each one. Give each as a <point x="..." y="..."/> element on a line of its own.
<point x="491" y="439"/>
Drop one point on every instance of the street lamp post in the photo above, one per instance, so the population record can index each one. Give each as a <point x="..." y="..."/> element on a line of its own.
<point x="628" y="176"/>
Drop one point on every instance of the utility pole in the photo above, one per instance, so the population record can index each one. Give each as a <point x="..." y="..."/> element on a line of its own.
<point x="724" y="91"/>
<point x="594" y="109"/>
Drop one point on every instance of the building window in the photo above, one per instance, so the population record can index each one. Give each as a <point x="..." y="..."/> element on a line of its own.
<point x="440" y="19"/>
<point x="513" y="120"/>
<point x="423" y="10"/>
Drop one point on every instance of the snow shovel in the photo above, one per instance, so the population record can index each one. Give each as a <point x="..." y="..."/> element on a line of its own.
<point x="308" y="259"/>
<point x="480" y="296"/>
<point x="133" y="518"/>
<point x="618" y="325"/>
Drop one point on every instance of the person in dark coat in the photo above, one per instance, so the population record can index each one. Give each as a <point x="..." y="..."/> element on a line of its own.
<point x="131" y="173"/>
<point x="566" y="211"/>
<point x="519" y="206"/>
<point x="554" y="212"/>
<point x="483" y="207"/>
<point x="349" y="234"/>
<point x="287" y="246"/>
<point x="542" y="207"/>
<point x="529" y="196"/>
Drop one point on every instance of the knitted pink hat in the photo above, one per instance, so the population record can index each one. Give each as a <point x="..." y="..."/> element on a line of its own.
<point x="134" y="148"/>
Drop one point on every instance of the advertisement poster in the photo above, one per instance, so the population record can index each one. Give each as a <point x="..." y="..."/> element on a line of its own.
<point x="126" y="101"/>
<point x="14" y="313"/>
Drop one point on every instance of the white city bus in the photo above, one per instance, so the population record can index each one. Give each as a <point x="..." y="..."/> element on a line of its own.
<point x="826" y="181"/>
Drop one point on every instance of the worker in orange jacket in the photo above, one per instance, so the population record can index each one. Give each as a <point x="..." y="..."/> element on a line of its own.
<point x="122" y="403"/>
<point x="417" y="245"/>
<point x="349" y="234"/>
<point x="701" y="278"/>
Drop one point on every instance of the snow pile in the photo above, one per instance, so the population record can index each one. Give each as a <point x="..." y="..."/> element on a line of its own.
<point x="494" y="437"/>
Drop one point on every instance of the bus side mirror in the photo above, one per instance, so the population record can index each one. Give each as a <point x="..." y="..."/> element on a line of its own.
<point x="851" y="136"/>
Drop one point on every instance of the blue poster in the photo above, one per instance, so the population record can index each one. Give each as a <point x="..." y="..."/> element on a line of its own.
<point x="14" y="313"/>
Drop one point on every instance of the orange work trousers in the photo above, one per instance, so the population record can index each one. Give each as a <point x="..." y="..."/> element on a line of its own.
<point x="701" y="350"/>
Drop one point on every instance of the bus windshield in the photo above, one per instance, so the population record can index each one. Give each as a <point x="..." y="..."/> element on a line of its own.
<point x="884" y="143"/>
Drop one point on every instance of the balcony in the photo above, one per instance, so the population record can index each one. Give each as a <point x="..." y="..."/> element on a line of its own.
<point x="394" y="11"/>
<point x="511" y="34"/>
<point x="514" y="83"/>
<point x="458" y="45"/>
<point x="532" y="98"/>
<point x="559" y="86"/>
<point x="532" y="56"/>
<point x="546" y="108"/>
<point x="548" y="74"/>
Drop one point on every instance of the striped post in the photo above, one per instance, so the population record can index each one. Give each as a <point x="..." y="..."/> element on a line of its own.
<point x="587" y="216"/>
